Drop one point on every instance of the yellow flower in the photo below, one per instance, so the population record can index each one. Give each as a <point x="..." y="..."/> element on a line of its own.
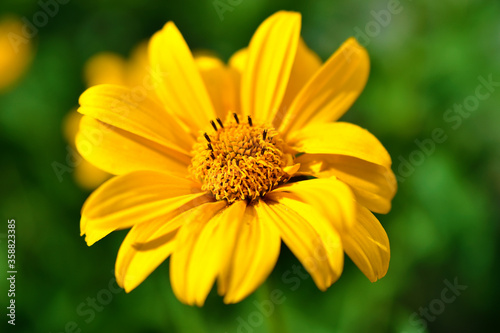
<point x="15" y="52"/>
<point x="110" y="68"/>
<point x="86" y="175"/>
<point x="216" y="171"/>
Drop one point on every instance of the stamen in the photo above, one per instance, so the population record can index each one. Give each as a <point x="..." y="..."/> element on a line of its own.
<point x="240" y="161"/>
<point x="220" y="122"/>
<point x="213" y="125"/>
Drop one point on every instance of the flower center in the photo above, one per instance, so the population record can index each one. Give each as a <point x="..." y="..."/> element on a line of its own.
<point x="240" y="160"/>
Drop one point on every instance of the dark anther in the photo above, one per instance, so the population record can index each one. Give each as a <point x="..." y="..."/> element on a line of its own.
<point x="250" y="121"/>
<point x="264" y="135"/>
<point x="236" y="118"/>
<point x="262" y="151"/>
<point x="210" y="146"/>
<point x="213" y="125"/>
<point x="220" y="122"/>
<point x="212" y="155"/>
<point x="207" y="137"/>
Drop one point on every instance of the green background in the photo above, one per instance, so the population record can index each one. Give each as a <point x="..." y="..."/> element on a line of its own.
<point x="444" y="221"/>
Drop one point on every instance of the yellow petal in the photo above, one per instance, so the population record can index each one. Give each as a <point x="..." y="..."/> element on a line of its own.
<point x="105" y="68"/>
<point x="373" y="185"/>
<point x="331" y="197"/>
<point x="147" y="245"/>
<point x="239" y="60"/>
<point x="332" y="90"/>
<point x="292" y="169"/>
<point x="340" y="138"/>
<point x="71" y="123"/>
<point x="134" y="264"/>
<point x="120" y="107"/>
<point x="138" y="69"/>
<point x="202" y="251"/>
<point x="222" y="84"/>
<point x="367" y="245"/>
<point x="180" y="88"/>
<point x="254" y="256"/>
<point x="88" y="176"/>
<point x="308" y="235"/>
<point x="270" y="58"/>
<point x="118" y="152"/>
<point x="134" y="198"/>
<point x="305" y="65"/>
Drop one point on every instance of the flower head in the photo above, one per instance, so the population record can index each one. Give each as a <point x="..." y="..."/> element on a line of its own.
<point x="240" y="160"/>
<point x="227" y="161"/>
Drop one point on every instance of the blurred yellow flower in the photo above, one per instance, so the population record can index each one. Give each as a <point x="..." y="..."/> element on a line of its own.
<point x="228" y="161"/>
<point x="15" y="52"/>
<point x="110" y="68"/>
<point x="85" y="174"/>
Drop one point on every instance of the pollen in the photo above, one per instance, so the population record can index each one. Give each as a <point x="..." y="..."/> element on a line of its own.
<point x="240" y="160"/>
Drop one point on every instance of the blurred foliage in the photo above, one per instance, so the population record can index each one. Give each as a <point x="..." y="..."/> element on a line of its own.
<point x="444" y="222"/>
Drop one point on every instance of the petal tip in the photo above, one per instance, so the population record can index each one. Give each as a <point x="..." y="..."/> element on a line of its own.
<point x="291" y="14"/>
<point x="90" y="240"/>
